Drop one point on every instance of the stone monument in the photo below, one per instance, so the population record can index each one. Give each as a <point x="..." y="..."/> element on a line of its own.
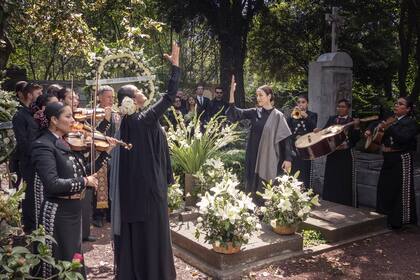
<point x="330" y="79"/>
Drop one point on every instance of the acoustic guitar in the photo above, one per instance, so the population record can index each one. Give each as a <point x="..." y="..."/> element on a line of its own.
<point x="374" y="140"/>
<point x="317" y="144"/>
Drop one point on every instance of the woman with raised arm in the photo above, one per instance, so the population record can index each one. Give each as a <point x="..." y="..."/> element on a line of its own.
<point x="269" y="150"/>
<point x="145" y="172"/>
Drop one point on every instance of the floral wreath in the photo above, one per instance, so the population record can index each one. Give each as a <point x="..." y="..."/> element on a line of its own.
<point x="126" y="59"/>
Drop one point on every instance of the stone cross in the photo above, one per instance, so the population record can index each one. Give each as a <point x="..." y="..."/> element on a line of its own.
<point x="335" y="20"/>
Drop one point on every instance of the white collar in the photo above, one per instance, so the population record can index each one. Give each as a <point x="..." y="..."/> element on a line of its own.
<point x="399" y="118"/>
<point x="56" y="136"/>
<point x="343" y="117"/>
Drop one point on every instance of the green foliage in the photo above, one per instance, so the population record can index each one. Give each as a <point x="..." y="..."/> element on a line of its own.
<point x="234" y="160"/>
<point x="190" y="148"/>
<point x="312" y="238"/>
<point x="18" y="262"/>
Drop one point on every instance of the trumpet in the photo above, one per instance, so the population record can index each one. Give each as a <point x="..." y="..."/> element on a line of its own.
<point x="296" y="113"/>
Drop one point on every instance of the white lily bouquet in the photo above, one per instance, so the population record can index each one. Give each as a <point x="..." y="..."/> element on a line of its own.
<point x="227" y="216"/>
<point x="287" y="203"/>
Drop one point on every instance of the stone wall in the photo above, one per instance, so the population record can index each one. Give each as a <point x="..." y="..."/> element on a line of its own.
<point x="368" y="167"/>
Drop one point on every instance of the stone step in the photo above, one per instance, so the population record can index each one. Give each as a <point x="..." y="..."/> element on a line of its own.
<point x="263" y="249"/>
<point x="338" y="222"/>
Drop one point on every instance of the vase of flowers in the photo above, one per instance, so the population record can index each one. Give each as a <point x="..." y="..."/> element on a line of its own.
<point x="227" y="217"/>
<point x="286" y="203"/>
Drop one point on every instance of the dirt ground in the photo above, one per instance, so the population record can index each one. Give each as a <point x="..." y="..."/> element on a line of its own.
<point x="394" y="255"/>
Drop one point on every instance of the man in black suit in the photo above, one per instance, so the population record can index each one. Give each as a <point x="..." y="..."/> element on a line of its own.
<point x="217" y="104"/>
<point x="202" y="102"/>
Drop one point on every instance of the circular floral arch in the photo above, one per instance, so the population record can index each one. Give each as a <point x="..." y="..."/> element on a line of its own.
<point x="130" y="56"/>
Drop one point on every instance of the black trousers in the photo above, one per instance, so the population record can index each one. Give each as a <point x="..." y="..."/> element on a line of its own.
<point x="395" y="193"/>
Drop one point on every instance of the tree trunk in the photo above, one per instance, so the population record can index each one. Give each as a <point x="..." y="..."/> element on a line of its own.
<point x="405" y="37"/>
<point x="6" y="48"/>
<point x="232" y="63"/>
<point x="415" y="92"/>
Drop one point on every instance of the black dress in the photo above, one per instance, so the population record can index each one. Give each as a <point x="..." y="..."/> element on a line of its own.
<point x="258" y="118"/>
<point x="145" y="250"/>
<point x="339" y="182"/>
<point x="26" y="130"/>
<point x="61" y="172"/>
<point x="300" y="127"/>
<point x="395" y="193"/>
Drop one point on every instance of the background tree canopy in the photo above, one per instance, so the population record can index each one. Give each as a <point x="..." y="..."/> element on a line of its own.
<point x="259" y="41"/>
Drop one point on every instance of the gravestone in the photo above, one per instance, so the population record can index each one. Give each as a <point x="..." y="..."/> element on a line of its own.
<point x="338" y="222"/>
<point x="330" y="79"/>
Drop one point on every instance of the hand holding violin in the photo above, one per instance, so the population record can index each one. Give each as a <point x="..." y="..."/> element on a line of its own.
<point x="112" y="143"/>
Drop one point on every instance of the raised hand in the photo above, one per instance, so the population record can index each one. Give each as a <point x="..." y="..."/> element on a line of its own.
<point x="232" y="90"/>
<point x="174" y="57"/>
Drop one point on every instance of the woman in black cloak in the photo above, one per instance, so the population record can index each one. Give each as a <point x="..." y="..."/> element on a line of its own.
<point x="145" y="250"/>
<point x="269" y="149"/>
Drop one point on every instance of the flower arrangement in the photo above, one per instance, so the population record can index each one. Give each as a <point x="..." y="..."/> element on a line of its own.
<point x="128" y="107"/>
<point x="286" y="201"/>
<point x="175" y="195"/>
<point x="114" y="62"/>
<point x="212" y="172"/>
<point x="227" y="216"/>
<point x="190" y="148"/>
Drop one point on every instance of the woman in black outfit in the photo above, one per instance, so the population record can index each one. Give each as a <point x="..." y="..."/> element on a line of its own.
<point x="65" y="177"/>
<point x="301" y="126"/>
<point x="269" y="149"/>
<point x="395" y="193"/>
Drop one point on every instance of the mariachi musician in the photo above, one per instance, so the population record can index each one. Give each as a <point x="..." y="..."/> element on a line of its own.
<point x="395" y="192"/>
<point x="301" y="121"/>
<point x="339" y="181"/>
<point x="65" y="177"/>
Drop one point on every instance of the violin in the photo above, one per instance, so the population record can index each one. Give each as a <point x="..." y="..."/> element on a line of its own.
<point x="80" y="139"/>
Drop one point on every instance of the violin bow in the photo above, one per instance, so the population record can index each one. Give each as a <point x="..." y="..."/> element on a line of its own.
<point x="71" y="90"/>
<point x="92" y="146"/>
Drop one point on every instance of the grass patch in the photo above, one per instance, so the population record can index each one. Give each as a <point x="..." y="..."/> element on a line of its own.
<point x="312" y="238"/>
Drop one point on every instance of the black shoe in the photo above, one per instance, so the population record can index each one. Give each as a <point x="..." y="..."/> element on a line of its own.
<point x="90" y="238"/>
<point x="98" y="223"/>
